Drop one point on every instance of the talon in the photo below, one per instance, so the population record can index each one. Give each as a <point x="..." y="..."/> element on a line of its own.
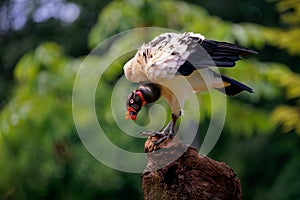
<point x="165" y="136"/>
<point x="160" y="140"/>
<point x="151" y="133"/>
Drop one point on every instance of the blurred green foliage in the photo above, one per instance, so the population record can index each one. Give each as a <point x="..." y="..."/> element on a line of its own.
<point x="41" y="154"/>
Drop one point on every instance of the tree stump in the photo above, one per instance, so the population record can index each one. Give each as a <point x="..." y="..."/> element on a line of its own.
<point x="176" y="171"/>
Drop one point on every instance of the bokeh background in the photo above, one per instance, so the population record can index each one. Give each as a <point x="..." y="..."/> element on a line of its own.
<point x="43" y="42"/>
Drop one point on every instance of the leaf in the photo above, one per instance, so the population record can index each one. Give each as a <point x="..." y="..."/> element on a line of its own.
<point x="288" y="116"/>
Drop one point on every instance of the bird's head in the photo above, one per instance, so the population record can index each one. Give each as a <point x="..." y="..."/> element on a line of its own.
<point x="135" y="103"/>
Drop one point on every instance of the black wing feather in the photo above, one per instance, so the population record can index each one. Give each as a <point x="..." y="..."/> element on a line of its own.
<point x="220" y="54"/>
<point x="225" y="54"/>
<point x="186" y="68"/>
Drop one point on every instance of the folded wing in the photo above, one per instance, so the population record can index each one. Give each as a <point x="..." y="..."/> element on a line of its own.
<point x="210" y="53"/>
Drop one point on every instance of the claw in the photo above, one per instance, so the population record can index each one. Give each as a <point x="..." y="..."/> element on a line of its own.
<point x="160" y="137"/>
<point x="151" y="133"/>
<point x="161" y="140"/>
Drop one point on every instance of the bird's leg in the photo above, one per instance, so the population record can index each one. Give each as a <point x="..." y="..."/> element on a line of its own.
<point x="170" y="128"/>
<point x="166" y="133"/>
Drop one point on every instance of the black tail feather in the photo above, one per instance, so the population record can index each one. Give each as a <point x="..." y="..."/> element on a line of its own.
<point x="235" y="87"/>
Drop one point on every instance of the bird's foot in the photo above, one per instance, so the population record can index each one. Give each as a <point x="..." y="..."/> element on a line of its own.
<point x="152" y="133"/>
<point x="158" y="138"/>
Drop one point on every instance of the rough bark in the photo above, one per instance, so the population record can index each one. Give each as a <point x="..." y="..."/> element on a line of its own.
<point x="175" y="171"/>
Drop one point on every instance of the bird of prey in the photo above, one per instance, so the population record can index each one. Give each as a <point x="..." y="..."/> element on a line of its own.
<point x="160" y="65"/>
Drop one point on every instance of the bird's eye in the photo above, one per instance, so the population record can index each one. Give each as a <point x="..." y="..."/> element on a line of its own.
<point x="131" y="101"/>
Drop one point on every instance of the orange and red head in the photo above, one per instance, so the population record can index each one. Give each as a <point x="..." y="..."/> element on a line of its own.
<point x="146" y="93"/>
<point x="135" y="103"/>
